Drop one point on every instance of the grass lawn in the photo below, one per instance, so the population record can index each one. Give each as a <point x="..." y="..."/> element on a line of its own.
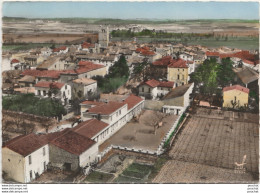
<point x="98" y="177"/>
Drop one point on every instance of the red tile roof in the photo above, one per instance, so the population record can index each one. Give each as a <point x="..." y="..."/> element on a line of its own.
<point x="132" y="100"/>
<point x="42" y="73"/>
<point x="90" y="128"/>
<point x="73" y="142"/>
<point x="92" y="102"/>
<point x="87" y="45"/>
<point x="84" y="63"/>
<point x="45" y="84"/>
<point x="14" y="61"/>
<point x="164" y="61"/>
<point x="243" y="55"/>
<point x="145" y="51"/>
<point x="154" y="83"/>
<point x="25" y="144"/>
<point x="212" y="53"/>
<point x="86" y="66"/>
<point x="106" y="108"/>
<point x="248" y="62"/>
<point x="59" y="49"/>
<point x="51" y="136"/>
<point x="168" y="84"/>
<point x="180" y="63"/>
<point x="236" y="87"/>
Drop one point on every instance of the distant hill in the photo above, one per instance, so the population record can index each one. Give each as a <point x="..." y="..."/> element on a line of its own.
<point x="103" y="21"/>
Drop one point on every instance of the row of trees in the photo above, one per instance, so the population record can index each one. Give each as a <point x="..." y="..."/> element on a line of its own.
<point x="211" y="77"/>
<point x="158" y="34"/>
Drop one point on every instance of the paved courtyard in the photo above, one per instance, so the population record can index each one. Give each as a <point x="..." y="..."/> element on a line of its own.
<point x="214" y="140"/>
<point x="142" y="134"/>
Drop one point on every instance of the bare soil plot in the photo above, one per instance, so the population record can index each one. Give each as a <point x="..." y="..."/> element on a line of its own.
<point x="185" y="172"/>
<point x="210" y="144"/>
<point x="142" y="134"/>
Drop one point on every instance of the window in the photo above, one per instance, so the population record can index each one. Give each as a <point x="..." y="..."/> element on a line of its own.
<point x="43" y="151"/>
<point x="142" y="89"/>
<point x="30" y="174"/>
<point x="44" y="93"/>
<point x="119" y="112"/>
<point x="149" y="90"/>
<point x="44" y="166"/>
<point x="183" y="70"/>
<point x="39" y="92"/>
<point x="30" y="160"/>
<point x="66" y="87"/>
<point x="178" y="77"/>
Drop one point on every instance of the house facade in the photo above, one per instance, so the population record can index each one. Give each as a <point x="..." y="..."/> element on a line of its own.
<point x="25" y="158"/>
<point x="79" y="153"/>
<point x="155" y="89"/>
<point x="178" y="72"/>
<point x="235" y="96"/>
<point x="54" y="89"/>
<point x="83" y="88"/>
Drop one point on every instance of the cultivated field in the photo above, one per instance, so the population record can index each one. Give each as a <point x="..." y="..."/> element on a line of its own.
<point x="210" y="143"/>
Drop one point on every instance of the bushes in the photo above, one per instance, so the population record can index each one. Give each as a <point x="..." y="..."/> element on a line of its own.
<point x="28" y="103"/>
<point x="167" y="142"/>
<point x="118" y="75"/>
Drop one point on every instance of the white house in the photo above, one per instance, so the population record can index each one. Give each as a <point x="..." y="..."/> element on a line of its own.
<point x="186" y="56"/>
<point x="154" y="89"/>
<point x="60" y="50"/>
<point x="54" y="89"/>
<point x="15" y="64"/>
<point x="84" y="87"/>
<point x="25" y="157"/>
<point x="102" y="120"/>
<point x="178" y="99"/>
<point x="46" y="51"/>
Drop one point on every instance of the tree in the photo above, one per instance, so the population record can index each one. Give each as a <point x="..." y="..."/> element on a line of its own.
<point x="226" y="74"/>
<point x="52" y="46"/>
<point x="141" y="69"/>
<point x="119" y="69"/>
<point x="205" y="78"/>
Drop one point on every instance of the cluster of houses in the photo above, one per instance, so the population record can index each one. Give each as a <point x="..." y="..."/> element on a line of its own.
<point x="66" y="73"/>
<point x="28" y="156"/>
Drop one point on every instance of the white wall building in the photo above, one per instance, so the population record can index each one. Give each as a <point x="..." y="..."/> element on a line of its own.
<point x="25" y="157"/>
<point x="155" y="89"/>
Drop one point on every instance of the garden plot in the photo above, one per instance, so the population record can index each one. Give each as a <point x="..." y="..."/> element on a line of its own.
<point x="214" y="144"/>
<point x="135" y="173"/>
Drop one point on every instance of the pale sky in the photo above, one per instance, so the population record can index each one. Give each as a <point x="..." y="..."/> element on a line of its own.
<point x="133" y="10"/>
